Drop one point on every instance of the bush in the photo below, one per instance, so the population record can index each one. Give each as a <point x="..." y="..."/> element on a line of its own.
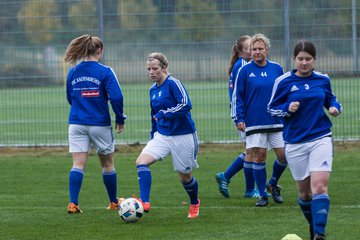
<point x="19" y="76"/>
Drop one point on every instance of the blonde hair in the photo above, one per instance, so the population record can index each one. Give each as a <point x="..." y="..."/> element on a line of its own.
<point x="260" y="37"/>
<point x="160" y="57"/>
<point x="82" y="47"/>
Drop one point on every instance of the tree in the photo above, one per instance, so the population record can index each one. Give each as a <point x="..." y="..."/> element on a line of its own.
<point x="136" y="15"/>
<point x="83" y="15"/>
<point x="199" y="19"/>
<point x="39" y="20"/>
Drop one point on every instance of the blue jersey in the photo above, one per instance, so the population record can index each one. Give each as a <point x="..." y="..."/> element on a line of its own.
<point x="251" y="95"/>
<point x="170" y="104"/>
<point x="310" y="121"/>
<point x="89" y="86"/>
<point x="235" y="69"/>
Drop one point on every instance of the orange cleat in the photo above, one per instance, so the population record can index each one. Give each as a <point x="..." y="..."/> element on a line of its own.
<point x="72" y="208"/>
<point x="194" y="210"/>
<point x="146" y="205"/>
<point x="115" y="206"/>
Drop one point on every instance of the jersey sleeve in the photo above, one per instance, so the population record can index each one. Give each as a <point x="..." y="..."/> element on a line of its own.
<point x="238" y="97"/>
<point x="278" y="105"/>
<point x="183" y="103"/>
<point x="115" y="96"/>
<point x="153" y="124"/>
<point x="68" y="86"/>
<point x="330" y="98"/>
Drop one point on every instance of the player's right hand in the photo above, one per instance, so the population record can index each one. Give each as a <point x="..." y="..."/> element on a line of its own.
<point x="294" y="106"/>
<point x="241" y="126"/>
<point x="119" y="128"/>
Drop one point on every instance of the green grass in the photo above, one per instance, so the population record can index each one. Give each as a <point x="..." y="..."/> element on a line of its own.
<point x="34" y="197"/>
<point x="38" y="116"/>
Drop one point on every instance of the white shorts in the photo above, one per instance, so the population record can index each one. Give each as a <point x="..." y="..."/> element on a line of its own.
<point x="315" y="156"/>
<point x="265" y="140"/>
<point x="183" y="149"/>
<point x="82" y="136"/>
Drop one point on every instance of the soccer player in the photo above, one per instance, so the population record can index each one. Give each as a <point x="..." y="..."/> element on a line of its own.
<point x="299" y="98"/>
<point x="89" y="87"/>
<point x="240" y="56"/>
<point x="173" y="132"/>
<point x="252" y="92"/>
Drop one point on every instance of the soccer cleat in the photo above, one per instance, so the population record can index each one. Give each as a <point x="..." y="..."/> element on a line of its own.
<point x="115" y="206"/>
<point x="223" y="184"/>
<point x="263" y="202"/>
<point x="275" y="192"/>
<point x="194" y="210"/>
<point x="146" y="205"/>
<point x="72" y="208"/>
<point x="252" y="194"/>
<point x="319" y="237"/>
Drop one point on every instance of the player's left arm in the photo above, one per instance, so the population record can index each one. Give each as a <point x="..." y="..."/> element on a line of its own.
<point x="115" y="97"/>
<point x="183" y="103"/>
<point x="331" y="102"/>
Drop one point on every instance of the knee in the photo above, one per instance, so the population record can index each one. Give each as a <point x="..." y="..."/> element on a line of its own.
<point x="319" y="188"/>
<point x="305" y="195"/>
<point x="145" y="159"/>
<point x="259" y="157"/>
<point x="141" y="160"/>
<point x="185" y="178"/>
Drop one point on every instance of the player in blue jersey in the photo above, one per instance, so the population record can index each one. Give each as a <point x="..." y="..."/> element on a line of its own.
<point x="252" y="91"/>
<point x="89" y="87"/>
<point x="173" y="132"/>
<point x="240" y="56"/>
<point x="299" y="98"/>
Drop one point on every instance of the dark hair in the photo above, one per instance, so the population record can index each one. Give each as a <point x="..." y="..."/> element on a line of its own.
<point x="236" y="50"/>
<point x="305" y="46"/>
<point x="82" y="47"/>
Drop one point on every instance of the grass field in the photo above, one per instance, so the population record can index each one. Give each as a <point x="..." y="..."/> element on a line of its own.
<point x="34" y="197"/>
<point x="38" y="116"/>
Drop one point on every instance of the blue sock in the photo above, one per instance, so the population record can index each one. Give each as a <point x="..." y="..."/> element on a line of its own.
<point x="305" y="207"/>
<point x="75" y="179"/>
<point x="259" y="171"/>
<point x="320" y="209"/>
<point x="110" y="179"/>
<point x="278" y="169"/>
<point x="249" y="176"/>
<point x="235" y="166"/>
<point x="144" y="178"/>
<point x="192" y="190"/>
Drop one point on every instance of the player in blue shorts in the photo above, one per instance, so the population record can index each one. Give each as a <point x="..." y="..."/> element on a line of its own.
<point x="299" y="98"/>
<point x="173" y="132"/>
<point x="240" y="56"/>
<point x="89" y="87"/>
<point x="252" y="92"/>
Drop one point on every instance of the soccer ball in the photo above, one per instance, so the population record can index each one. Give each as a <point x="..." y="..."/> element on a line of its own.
<point x="131" y="210"/>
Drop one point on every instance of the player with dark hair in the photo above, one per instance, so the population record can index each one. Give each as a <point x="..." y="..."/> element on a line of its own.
<point x="173" y="132"/>
<point x="299" y="98"/>
<point x="252" y="91"/>
<point x="240" y="56"/>
<point x="89" y="87"/>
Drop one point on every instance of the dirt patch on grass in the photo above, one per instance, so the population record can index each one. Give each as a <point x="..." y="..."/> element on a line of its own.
<point x="136" y="148"/>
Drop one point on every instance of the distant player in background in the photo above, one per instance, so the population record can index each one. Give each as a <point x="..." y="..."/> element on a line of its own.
<point x="173" y="132"/>
<point x="240" y="56"/>
<point x="249" y="111"/>
<point x="299" y="97"/>
<point x="89" y="87"/>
